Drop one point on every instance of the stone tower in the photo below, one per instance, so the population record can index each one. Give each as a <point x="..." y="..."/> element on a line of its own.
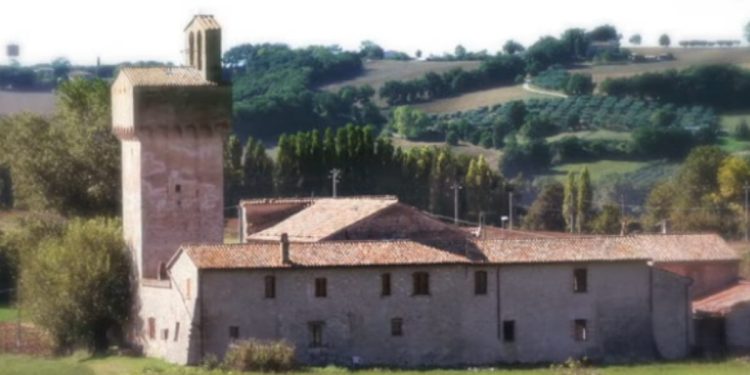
<point x="171" y="122"/>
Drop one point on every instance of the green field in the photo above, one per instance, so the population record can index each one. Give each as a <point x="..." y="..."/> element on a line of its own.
<point x="598" y="169"/>
<point x="603" y="134"/>
<point x="79" y="365"/>
<point x="727" y="141"/>
<point x="7" y="313"/>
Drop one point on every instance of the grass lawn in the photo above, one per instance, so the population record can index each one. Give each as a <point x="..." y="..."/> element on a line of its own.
<point x="80" y="365"/>
<point x="7" y="313"/>
<point x="598" y="169"/>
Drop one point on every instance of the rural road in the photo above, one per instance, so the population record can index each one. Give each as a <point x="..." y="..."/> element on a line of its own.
<point x="528" y="87"/>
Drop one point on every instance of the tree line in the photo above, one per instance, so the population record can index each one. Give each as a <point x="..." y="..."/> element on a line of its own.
<point x="421" y="177"/>
<point x="274" y="89"/>
<point x="724" y="87"/>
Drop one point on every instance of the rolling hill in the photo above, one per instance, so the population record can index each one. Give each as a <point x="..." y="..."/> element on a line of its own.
<point x="378" y="72"/>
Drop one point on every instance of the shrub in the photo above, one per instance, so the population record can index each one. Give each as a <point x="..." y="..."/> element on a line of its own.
<point x="742" y="131"/>
<point x="253" y="355"/>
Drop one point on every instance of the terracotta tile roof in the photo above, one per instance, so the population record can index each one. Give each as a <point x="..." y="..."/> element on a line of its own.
<point x="495" y="233"/>
<point x="324" y="217"/>
<point x="204" y="21"/>
<point x="561" y="250"/>
<point x="665" y="248"/>
<point x="723" y="302"/>
<point x="165" y="76"/>
<point x="267" y="254"/>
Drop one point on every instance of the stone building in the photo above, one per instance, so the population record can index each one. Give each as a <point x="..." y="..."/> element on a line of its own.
<point x="369" y="280"/>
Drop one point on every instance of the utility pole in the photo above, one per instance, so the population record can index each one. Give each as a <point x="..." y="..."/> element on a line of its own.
<point x="510" y="210"/>
<point x="335" y="176"/>
<point x="746" y="188"/>
<point x="456" y="187"/>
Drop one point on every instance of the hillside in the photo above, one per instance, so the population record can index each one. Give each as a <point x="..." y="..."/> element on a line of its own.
<point x="378" y="72"/>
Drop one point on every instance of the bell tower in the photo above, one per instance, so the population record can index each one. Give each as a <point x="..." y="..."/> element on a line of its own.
<point x="203" y="46"/>
<point x="171" y="122"/>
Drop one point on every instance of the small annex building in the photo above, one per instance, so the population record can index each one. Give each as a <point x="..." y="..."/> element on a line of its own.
<point x="373" y="281"/>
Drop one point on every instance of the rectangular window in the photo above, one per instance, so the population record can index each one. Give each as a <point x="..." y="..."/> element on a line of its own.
<point x="176" y="331"/>
<point x="234" y="332"/>
<point x="480" y="283"/>
<point x="580" y="280"/>
<point x="509" y="330"/>
<point x="397" y="327"/>
<point x="151" y="328"/>
<point x="421" y="283"/>
<point x="385" y="284"/>
<point x="270" y="290"/>
<point x="321" y="287"/>
<point x="188" y="289"/>
<point x="580" y="331"/>
<point x="165" y="334"/>
<point x="316" y="334"/>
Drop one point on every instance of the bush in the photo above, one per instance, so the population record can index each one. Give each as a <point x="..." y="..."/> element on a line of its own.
<point x="253" y="355"/>
<point x="742" y="131"/>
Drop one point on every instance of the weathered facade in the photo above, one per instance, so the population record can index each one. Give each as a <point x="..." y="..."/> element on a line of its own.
<point x="368" y="280"/>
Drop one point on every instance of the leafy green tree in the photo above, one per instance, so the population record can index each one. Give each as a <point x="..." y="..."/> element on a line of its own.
<point x="257" y="170"/>
<point x="577" y="42"/>
<point x="584" y="200"/>
<point x="635" y="39"/>
<point x="545" y="212"/>
<point x="232" y="168"/>
<point x="459" y="52"/>
<point x="61" y="68"/>
<point x="659" y="204"/>
<point x="734" y="174"/>
<point x="410" y="122"/>
<point x="664" y="40"/>
<point x="742" y="131"/>
<point x="368" y="49"/>
<point x="512" y="47"/>
<point x="70" y="163"/>
<point x="451" y="138"/>
<point x="579" y="84"/>
<point x="79" y="306"/>
<point x="603" y="33"/>
<point x="546" y="52"/>
<point x="570" y="204"/>
<point x="608" y="221"/>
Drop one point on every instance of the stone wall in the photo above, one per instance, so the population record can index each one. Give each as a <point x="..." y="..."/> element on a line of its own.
<point x="672" y="315"/>
<point x="737" y="329"/>
<point x="450" y="326"/>
<point x="173" y="306"/>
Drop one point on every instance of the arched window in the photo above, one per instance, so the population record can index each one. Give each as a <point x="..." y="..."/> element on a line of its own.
<point x="191" y="48"/>
<point x="199" y="44"/>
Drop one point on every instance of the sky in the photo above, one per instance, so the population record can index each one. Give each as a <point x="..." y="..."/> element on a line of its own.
<point x="132" y="30"/>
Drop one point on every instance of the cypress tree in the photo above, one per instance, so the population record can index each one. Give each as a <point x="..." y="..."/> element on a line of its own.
<point x="583" y="200"/>
<point x="569" y="202"/>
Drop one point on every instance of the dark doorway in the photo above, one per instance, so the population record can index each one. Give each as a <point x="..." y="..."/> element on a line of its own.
<point x="710" y="336"/>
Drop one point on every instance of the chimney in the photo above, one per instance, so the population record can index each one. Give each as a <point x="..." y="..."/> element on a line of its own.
<point x="284" y="246"/>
